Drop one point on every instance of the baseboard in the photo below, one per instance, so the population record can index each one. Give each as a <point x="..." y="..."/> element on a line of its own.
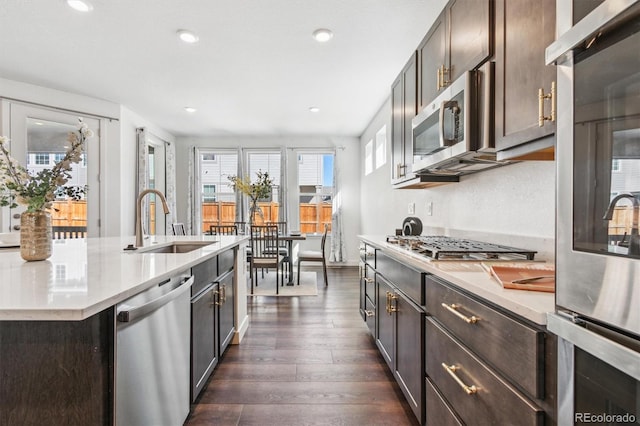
<point x="240" y="331"/>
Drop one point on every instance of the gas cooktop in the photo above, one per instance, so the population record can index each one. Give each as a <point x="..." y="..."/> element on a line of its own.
<point x="449" y="248"/>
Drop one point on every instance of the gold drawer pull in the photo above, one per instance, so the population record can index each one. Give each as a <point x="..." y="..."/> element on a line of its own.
<point x="453" y="309"/>
<point x="451" y="369"/>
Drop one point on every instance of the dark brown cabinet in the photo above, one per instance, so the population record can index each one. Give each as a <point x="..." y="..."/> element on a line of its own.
<point x="524" y="29"/>
<point x="212" y="316"/>
<point x="485" y="366"/>
<point x="403" y="109"/>
<point x="458" y="41"/>
<point x="204" y="347"/>
<point x="400" y="337"/>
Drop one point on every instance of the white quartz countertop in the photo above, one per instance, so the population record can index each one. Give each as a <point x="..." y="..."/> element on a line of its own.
<point x="472" y="277"/>
<point x="87" y="275"/>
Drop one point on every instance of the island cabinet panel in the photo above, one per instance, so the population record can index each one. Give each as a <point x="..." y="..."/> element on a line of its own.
<point x="204" y="338"/>
<point x="524" y="29"/>
<point x="225" y="303"/>
<point x="510" y="346"/>
<point x="477" y="394"/>
<point x="212" y="316"/>
<point x="57" y="372"/>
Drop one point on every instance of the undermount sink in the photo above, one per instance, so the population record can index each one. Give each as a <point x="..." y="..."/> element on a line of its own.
<point x="177" y="247"/>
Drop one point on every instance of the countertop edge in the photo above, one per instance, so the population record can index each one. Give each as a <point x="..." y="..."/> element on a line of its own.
<point x="531" y="305"/>
<point x="80" y="314"/>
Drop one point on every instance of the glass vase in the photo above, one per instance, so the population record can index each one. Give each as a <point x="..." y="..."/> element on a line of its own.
<point x="35" y="235"/>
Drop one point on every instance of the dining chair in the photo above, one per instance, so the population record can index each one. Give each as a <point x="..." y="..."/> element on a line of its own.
<point x="315" y="256"/>
<point x="223" y="230"/>
<point x="63" y="232"/>
<point x="283" y="248"/>
<point x="178" y="228"/>
<point x="263" y="239"/>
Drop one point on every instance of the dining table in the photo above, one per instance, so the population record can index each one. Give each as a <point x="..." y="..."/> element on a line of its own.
<point x="290" y="238"/>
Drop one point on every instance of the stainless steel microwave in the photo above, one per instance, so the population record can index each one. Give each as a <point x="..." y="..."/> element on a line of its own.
<point x="452" y="134"/>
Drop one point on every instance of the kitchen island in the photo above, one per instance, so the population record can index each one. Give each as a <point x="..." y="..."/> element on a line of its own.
<point x="58" y="321"/>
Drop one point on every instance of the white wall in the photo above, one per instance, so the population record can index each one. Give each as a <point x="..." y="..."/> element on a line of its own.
<point x="512" y="205"/>
<point x="348" y="162"/>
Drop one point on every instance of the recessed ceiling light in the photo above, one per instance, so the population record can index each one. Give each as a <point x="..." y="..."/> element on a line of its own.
<point x="80" y="5"/>
<point x="314" y="109"/>
<point x="190" y="109"/>
<point x="188" y="36"/>
<point x="322" y="35"/>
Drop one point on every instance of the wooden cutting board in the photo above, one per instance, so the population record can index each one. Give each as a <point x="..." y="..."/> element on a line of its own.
<point x="506" y="274"/>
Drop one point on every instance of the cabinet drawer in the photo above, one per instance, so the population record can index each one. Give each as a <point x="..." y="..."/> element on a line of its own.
<point x="509" y="346"/>
<point x="438" y="411"/>
<point x="487" y="399"/>
<point x="368" y="254"/>
<point x="225" y="261"/>
<point x="407" y="280"/>
<point x="370" y="282"/>
<point x="203" y="274"/>
<point x="370" y="315"/>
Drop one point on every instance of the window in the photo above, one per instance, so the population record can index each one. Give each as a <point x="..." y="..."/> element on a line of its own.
<point x="41" y="158"/>
<point x="208" y="193"/>
<point x="270" y="162"/>
<point x="58" y="157"/>
<point x="208" y="157"/>
<point x="368" y="157"/>
<point x="315" y="183"/>
<point x="217" y="199"/>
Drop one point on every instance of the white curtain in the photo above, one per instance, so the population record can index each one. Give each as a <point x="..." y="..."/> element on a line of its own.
<point x="193" y="214"/>
<point x="337" y="234"/>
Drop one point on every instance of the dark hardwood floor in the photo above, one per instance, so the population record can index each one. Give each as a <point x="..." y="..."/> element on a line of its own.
<point x="304" y="361"/>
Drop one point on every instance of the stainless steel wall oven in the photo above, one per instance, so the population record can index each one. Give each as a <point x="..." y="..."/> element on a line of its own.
<point x="597" y="315"/>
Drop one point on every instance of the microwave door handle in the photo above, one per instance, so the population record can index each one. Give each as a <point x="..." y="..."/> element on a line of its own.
<point x="443" y="105"/>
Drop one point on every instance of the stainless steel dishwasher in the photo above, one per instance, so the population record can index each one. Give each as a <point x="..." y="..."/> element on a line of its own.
<point x="152" y="355"/>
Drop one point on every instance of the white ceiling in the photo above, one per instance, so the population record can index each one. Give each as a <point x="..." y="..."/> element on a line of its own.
<point x="255" y="71"/>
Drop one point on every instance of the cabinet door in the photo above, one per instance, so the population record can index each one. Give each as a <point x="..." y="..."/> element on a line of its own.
<point x="410" y="94"/>
<point x="225" y="303"/>
<point x="469" y="35"/>
<point x="431" y="56"/>
<point x="397" y="120"/>
<point x="410" y="352"/>
<point x="524" y="28"/>
<point x="204" y="353"/>
<point x="403" y="109"/>
<point x="385" y="339"/>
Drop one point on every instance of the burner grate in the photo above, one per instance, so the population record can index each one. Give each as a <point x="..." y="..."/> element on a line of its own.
<point x="441" y="248"/>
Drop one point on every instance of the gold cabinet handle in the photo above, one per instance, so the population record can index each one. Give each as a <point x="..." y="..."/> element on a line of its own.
<point x="441" y="81"/>
<point x="369" y="313"/>
<point x="389" y="305"/>
<point x="368" y="280"/>
<point x="392" y="308"/>
<point x="451" y="369"/>
<point x="453" y="308"/>
<point x="541" y="98"/>
<point x="224" y="293"/>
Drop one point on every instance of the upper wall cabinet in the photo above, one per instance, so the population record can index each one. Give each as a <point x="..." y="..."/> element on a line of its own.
<point x="524" y="98"/>
<point x="403" y="109"/>
<point x="459" y="40"/>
